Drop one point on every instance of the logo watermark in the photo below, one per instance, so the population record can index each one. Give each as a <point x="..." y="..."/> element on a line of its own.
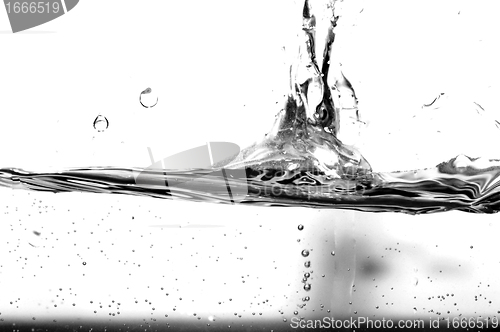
<point x="162" y="174"/>
<point x="173" y="175"/>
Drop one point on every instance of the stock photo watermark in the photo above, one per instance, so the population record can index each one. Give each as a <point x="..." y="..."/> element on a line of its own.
<point x="24" y="15"/>
<point x="385" y="324"/>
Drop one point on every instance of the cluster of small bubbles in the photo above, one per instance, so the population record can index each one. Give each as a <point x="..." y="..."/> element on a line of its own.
<point x="305" y="299"/>
<point x="305" y="252"/>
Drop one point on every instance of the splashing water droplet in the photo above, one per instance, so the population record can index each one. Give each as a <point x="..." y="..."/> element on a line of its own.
<point x="301" y="227"/>
<point x="101" y="123"/>
<point x="148" y="99"/>
<point x="305" y="252"/>
<point x="307" y="287"/>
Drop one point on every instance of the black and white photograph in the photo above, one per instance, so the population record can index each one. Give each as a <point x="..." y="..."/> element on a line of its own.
<point x="229" y="165"/>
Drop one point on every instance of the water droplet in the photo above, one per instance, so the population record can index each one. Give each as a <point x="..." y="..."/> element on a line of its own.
<point x="301" y="227"/>
<point x="305" y="252"/>
<point x="333" y="253"/>
<point x="307" y="264"/>
<point x="148" y="99"/>
<point x="101" y="123"/>
<point x="307" y="287"/>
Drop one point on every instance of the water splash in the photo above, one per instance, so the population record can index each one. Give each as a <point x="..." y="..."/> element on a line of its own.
<point x="306" y="159"/>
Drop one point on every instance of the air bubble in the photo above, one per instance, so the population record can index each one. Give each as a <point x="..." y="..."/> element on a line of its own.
<point x="148" y="99"/>
<point x="333" y="253"/>
<point x="305" y="252"/>
<point x="301" y="227"/>
<point x="307" y="287"/>
<point x="101" y="123"/>
<point x="307" y="264"/>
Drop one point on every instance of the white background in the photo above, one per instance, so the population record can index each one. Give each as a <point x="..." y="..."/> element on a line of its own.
<point x="220" y="72"/>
